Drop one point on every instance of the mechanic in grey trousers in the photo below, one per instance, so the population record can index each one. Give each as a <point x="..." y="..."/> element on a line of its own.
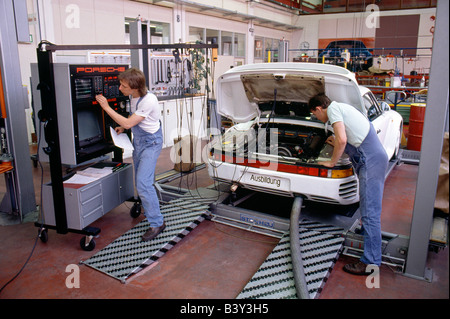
<point x="356" y="136"/>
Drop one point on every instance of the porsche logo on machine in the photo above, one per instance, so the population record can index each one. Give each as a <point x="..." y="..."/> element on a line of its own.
<point x="100" y="69"/>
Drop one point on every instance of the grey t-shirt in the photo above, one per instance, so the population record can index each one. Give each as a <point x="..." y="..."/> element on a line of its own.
<point x="357" y="126"/>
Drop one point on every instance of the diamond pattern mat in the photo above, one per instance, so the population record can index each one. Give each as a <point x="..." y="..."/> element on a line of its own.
<point x="320" y="247"/>
<point x="128" y="254"/>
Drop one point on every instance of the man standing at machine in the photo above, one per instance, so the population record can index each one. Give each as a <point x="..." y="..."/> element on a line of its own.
<point x="355" y="135"/>
<point x="145" y="125"/>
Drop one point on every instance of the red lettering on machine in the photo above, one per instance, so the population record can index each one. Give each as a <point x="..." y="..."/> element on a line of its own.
<point x="100" y="69"/>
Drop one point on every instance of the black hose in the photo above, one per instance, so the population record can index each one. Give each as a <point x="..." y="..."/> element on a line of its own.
<point x="296" y="255"/>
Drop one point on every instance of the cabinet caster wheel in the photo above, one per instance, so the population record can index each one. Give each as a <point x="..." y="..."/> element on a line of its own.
<point x="135" y="211"/>
<point x="43" y="235"/>
<point x="87" y="246"/>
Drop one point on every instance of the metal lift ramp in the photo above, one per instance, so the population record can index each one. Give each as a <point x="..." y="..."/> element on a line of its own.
<point x="320" y="246"/>
<point x="321" y="243"/>
<point x="128" y="254"/>
<point x="321" y="233"/>
<point x="325" y="231"/>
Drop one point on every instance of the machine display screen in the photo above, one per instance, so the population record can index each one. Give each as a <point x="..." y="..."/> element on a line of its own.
<point x="89" y="130"/>
<point x="83" y="89"/>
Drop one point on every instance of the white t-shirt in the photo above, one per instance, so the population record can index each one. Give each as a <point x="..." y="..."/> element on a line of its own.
<point x="357" y="126"/>
<point x="150" y="110"/>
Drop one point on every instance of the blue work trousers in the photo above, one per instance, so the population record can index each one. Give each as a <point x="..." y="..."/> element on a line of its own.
<point x="370" y="162"/>
<point x="147" y="148"/>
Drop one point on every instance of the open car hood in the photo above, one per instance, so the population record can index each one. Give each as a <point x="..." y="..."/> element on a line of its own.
<point x="265" y="87"/>
<point x="244" y="92"/>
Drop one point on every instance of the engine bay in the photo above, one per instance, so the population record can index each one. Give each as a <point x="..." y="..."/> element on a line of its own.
<point x="301" y="142"/>
<point x="280" y="137"/>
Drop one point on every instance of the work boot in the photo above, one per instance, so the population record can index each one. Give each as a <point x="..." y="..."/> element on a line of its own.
<point x="152" y="232"/>
<point x="358" y="268"/>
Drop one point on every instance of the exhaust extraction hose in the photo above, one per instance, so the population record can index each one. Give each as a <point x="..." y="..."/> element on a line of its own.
<point x="296" y="255"/>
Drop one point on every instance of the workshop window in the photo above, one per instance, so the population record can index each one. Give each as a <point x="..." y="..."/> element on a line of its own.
<point x="159" y="31"/>
<point x="227" y="41"/>
<point x="230" y="43"/>
<point x="259" y="47"/>
<point x="196" y="34"/>
<point x="239" y="43"/>
<point x="212" y="36"/>
<point x="272" y="46"/>
<point x="267" y="48"/>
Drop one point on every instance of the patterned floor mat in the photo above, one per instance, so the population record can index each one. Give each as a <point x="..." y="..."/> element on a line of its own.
<point x="128" y="254"/>
<point x="320" y="247"/>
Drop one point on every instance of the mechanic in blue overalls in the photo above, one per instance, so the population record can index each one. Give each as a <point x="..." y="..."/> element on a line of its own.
<point x="147" y="142"/>
<point x="356" y="136"/>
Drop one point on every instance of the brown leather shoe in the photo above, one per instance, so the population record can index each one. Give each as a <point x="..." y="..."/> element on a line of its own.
<point x="358" y="268"/>
<point x="152" y="232"/>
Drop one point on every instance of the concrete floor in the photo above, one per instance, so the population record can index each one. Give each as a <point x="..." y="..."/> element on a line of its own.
<point x="213" y="262"/>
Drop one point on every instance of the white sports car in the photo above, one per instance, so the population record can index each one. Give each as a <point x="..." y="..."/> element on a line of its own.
<point x="276" y="143"/>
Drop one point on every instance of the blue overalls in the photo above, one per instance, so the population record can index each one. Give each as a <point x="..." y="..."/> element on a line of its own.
<point x="370" y="162"/>
<point x="147" y="147"/>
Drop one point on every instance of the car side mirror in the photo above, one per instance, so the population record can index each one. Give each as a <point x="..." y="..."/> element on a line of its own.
<point x="385" y="106"/>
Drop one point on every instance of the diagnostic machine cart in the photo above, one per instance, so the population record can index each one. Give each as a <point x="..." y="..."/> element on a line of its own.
<point x="84" y="140"/>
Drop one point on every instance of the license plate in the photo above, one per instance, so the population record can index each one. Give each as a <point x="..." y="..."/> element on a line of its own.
<point x="266" y="181"/>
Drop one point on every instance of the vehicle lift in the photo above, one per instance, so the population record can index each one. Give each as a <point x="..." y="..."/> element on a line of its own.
<point x="236" y="208"/>
<point x="347" y="218"/>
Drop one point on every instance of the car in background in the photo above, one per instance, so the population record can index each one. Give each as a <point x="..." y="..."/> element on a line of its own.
<point x="275" y="143"/>
<point x="361" y="57"/>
